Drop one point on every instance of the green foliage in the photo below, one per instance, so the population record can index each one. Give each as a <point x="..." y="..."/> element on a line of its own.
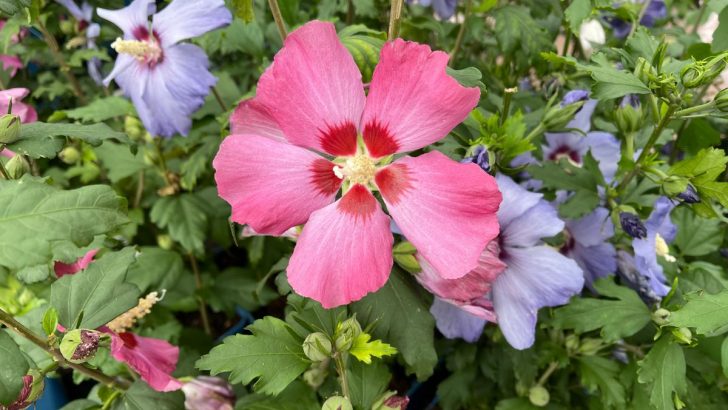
<point x="702" y="170"/>
<point x="363" y="349"/>
<point x="188" y="231"/>
<point x="96" y="295"/>
<point x="41" y="140"/>
<point x="617" y="319"/>
<point x="720" y="37"/>
<point x="707" y="313"/>
<point x="582" y="180"/>
<point x="696" y="236"/>
<point x="102" y="110"/>
<point x="12" y="369"/>
<point x="516" y="31"/>
<point x="367" y="382"/>
<point x="364" y="45"/>
<point x="599" y="372"/>
<point x="273" y="355"/>
<point x="663" y="370"/>
<point x="141" y="397"/>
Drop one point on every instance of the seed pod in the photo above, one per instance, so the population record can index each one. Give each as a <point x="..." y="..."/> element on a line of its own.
<point x="80" y="345"/>
<point x="539" y="396"/>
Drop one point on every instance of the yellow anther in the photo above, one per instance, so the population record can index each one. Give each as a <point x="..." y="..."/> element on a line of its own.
<point x="662" y="249"/>
<point x="127" y="319"/>
<point x="142" y="50"/>
<point x="359" y="170"/>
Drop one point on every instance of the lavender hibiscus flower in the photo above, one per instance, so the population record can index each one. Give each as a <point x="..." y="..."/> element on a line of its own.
<point x="166" y="80"/>
<point x="84" y="16"/>
<point x="587" y="243"/>
<point x="660" y="232"/>
<point x="518" y="275"/>
<point x="656" y="10"/>
<point x="444" y="9"/>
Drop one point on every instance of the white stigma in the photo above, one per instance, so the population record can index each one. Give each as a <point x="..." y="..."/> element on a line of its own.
<point x="662" y="249"/>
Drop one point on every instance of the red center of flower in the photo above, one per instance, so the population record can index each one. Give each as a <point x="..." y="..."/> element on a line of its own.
<point x="154" y="54"/>
<point x="564" y="151"/>
<point x="128" y="339"/>
<point x="379" y="140"/>
<point x="339" y="140"/>
<point x="393" y="181"/>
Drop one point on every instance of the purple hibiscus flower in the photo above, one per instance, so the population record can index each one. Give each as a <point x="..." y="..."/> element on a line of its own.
<point x="587" y="244"/>
<point x="656" y="10"/>
<point x="444" y="9"/>
<point x="530" y="275"/>
<point x="166" y="80"/>
<point x="660" y="232"/>
<point x="84" y="16"/>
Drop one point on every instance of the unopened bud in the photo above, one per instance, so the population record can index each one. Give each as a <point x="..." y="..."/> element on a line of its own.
<point x="70" y="155"/>
<point x="209" y="393"/>
<point x="391" y="401"/>
<point x="683" y="335"/>
<point x="661" y="316"/>
<point x="17" y="166"/>
<point x="480" y="157"/>
<point x="571" y="342"/>
<point x="628" y="115"/>
<point x="632" y="225"/>
<point x="689" y="195"/>
<point x="133" y="128"/>
<point x="317" y="347"/>
<point x="721" y="100"/>
<point x="9" y="128"/>
<point x="79" y="345"/>
<point x="557" y="117"/>
<point x="644" y="70"/>
<point x="33" y="385"/>
<point x="408" y="262"/>
<point x="165" y="242"/>
<point x="590" y="346"/>
<point x="346" y="332"/>
<point x="699" y="73"/>
<point x="539" y="396"/>
<point x="337" y="403"/>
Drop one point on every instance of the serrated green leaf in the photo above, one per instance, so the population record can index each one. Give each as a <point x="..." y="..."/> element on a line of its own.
<point x="40" y="140"/>
<point x="119" y="162"/>
<point x="36" y="219"/>
<point x="516" y="30"/>
<point x="141" y="397"/>
<point x="705" y="166"/>
<point x="12" y="369"/>
<point x="696" y="236"/>
<point x="617" y="319"/>
<point x="411" y="330"/>
<point x="663" y="370"/>
<point x="188" y="230"/>
<point x="272" y="355"/>
<point x="102" y="109"/>
<point x="576" y="13"/>
<point x="367" y="382"/>
<point x="96" y="295"/>
<point x="598" y="372"/>
<point x="706" y="313"/>
<point x="363" y="349"/>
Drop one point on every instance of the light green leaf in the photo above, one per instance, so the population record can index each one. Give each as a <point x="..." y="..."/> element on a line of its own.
<point x="364" y="44"/>
<point x="663" y="370"/>
<point x="598" y="372"/>
<point x="411" y="330"/>
<point x="367" y="382"/>
<point x="40" y="140"/>
<point x="618" y="318"/>
<point x="141" y="397"/>
<point x="102" y="109"/>
<point x="243" y="10"/>
<point x="36" y="219"/>
<point x="724" y="356"/>
<point x="50" y="321"/>
<point x="363" y="349"/>
<point x="96" y="295"/>
<point x="12" y="369"/>
<point x="720" y="36"/>
<point x="119" y="161"/>
<point x="696" y="236"/>
<point x="272" y="355"/>
<point x="516" y="30"/>
<point x="188" y="230"/>
<point x="706" y="313"/>
<point x="576" y="13"/>
<point x="11" y="7"/>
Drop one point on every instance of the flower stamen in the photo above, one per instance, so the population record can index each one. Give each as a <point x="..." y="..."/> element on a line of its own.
<point x="662" y="249"/>
<point x="146" y="51"/>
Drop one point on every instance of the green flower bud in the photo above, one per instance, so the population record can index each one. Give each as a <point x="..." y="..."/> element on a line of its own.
<point x="721" y="100"/>
<point x="408" y="262"/>
<point x="70" y="155"/>
<point x="337" y="403"/>
<point x="17" y="166"/>
<point x="557" y="117"/>
<point x="391" y="401"/>
<point x="165" y="242"/>
<point x="133" y="128"/>
<point x="316" y="375"/>
<point x="317" y="347"/>
<point x="628" y="117"/>
<point x="67" y="26"/>
<point x="702" y="72"/>
<point x="590" y="346"/>
<point x="683" y="335"/>
<point x="80" y="345"/>
<point x="346" y="332"/>
<point x="661" y="316"/>
<point x="571" y="343"/>
<point x="644" y="70"/>
<point x="674" y="185"/>
<point x="539" y="396"/>
<point x="9" y="128"/>
<point x="404" y="247"/>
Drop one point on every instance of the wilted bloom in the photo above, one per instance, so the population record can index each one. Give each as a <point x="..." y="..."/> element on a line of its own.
<point x="591" y="34"/>
<point x="444" y="9"/>
<point x="632" y="225"/>
<point x="79" y="345"/>
<point x="660" y="232"/>
<point x="208" y="393"/>
<point x="689" y="196"/>
<point x="587" y="244"/>
<point x="391" y="401"/>
<point x="535" y="274"/>
<point x="33" y="385"/>
<point x="167" y="81"/>
<point x="24" y="111"/>
<point x="84" y="16"/>
<point x="82" y="263"/>
<point x="656" y="10"/>
<point x="312" y="99"/>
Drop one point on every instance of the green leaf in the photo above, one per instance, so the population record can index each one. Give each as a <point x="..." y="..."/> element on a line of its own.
<point x="40" y="140"/>
<point x="364" y="44"/>
<point x="467" y="77"/>
<point x="297" y="396"/>
<point x="272" y="355"/>
<point x="576" y="13"/>
<point x="724" y="356"/>
<point x="363" y="349"/>
<point x="707" y="313"/>
<point x="705" y="166"/>
<point x="155" y="268"/>
<point x="243" y="10"/>
<point x="36" y="220"/>
<point x="12" y="7"/>
<point x="119" y="162"/>
<point x="411" y="330"/>
<point x="618" y="318"/>
<point x="96" y="295"/>
<point x="699" y="134"/>
<point x="141" y="397"/>
<point x="367" y="382"/>
<point x="720" y="36"/>
<point x="598" y="372"/>
<point x="102" y="109"/>
<point x="82" y="404"/>
<point x="12" y="369"/>
<point x="611" y="82"/>
<point x="696" y="236"/>
<point x="188" y="230"/>
<point x="50" y="321"/>
<point x="516" y="30"/>
<point x="564" y="175"/>
<point x="663" y="370"/>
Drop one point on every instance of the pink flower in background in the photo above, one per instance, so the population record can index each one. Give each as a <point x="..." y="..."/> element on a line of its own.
<point x="311" y="100"/>
<point x="11" y="63"/>
<point x="24" y="111"/>
<point x="70" y="268"/>
<point x="153" y="359"/>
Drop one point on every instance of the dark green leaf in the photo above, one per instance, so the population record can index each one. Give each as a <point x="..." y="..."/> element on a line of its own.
<point x="367" y="382"/>
<point x="188" y="230"/>
<point x="696" y="236"/>
<point x="598" y="372"/>
<point x="102" y="109"/>
<point x="707" y="313"/>
<point x="663" y="370"/>
<point x="141" y="397"/>
<point x="720" y="36"/>
<point x="40" y="140"/>
<point x="297" y="396"/>
<point x="12" y="369"/>
<point x="576" y="13"/>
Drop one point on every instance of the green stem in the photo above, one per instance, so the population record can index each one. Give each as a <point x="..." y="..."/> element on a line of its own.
<point x="278" y="18"/>
<point x="646" y="150"/>
<point x="507" y="96"/>
<point x="395" y="19"/>
<point x="3" y="170"/>
<point x="540" y="129"/>
<point x="549" y="371"/>
<point x="694" y="109"/>
<point x="220" y="102"/>
<point x="65" y="69"/>
<point x="629" y="146"/>
<point x="567" y="42"/>
<point x="700" y="17"/>
<point x="341" y="369"/>
<point x="636" y="23"/>
<point x="461" y="34"/>
<point x="654" y="108"/>
<point x="161" y="161"/>
<point x="12" y="324"/>
<point x="200" y="300"/>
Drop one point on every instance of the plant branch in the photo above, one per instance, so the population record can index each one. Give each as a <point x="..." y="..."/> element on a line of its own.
<point x="219" y="99"/>
<point x="636" y="23"/>
<point x="341" y="369"/>
<point x="200" y="300"/>
<point x="3" y="170"/>
<point x="12" y="324"/>
<point x="549" y="371"/>
<point x="395" y="19"/>
<point x="278" y="18"/>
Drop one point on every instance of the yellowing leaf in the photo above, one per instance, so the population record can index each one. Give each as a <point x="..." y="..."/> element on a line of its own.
<point x="363" y="349"/>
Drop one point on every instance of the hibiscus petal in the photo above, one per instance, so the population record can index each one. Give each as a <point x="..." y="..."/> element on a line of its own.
<point x="314" y="90"/>
<point x="183" y="19"/>
<point x="596" y="261"/>
<point x="82" y="263"/>
<point x="454" y="322"/>
<point x="540" y="221"/>
<point x="251" y="117"/>
<point x="582" y="119"/>
<point x="591" y="229"/>
<point x="271" y="185"/>
<point x="153" y="359"/>
<point x="412" y="102"/>
<point x="606" y="150"/>
<point x="344" y="251"/>
<point x="130" y="17"/>
<point x="536" y="277"/>
<point x="446" y="209"/>
<point x="516" y="200"/>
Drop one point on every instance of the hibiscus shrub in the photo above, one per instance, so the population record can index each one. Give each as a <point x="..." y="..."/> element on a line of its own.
<point x="363" y="204"/>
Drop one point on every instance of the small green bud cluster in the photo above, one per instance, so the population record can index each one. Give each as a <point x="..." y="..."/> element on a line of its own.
<point x="703" y="72"/>
<point x="404" y="254"/>
<point x="557" y="117"/>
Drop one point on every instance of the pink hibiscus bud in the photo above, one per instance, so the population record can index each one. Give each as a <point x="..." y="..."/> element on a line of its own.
<point x="80" y="345"/>
<point x="208" y="393"/>
<point x="33" y="384"/>
<point x="391" y="401"/>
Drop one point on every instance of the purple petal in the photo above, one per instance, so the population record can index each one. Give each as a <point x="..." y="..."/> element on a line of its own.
<point x="130" y="17"/>
<point x="659" y="220"/>
<point x="516" y="200"/>
<point x="591" y="229"/>
<point x="596" y="261"/>
<point x="560" y="144"/>
<point x="536" y="277"/>
<point x="606" y="150"/>
<point x="183" y="19"/>
<point x="454" y="322"/>
<point x="540" y="221"/>
<point x="575" y="96"/>
<point x="73" y="8"/>
<point x="582" y="119"/>
<point x="444" y="8"/>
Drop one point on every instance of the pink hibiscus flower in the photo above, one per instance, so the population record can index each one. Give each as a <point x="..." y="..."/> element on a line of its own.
<point x="24" y="111"/>
<point x="311" y="101"/>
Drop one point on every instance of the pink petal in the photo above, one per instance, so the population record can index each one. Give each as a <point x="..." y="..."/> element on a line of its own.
<point x="446" y="209"/>
<point x="153" y="359"/>
<point x="251" y="117"/>
<point x="314" y="91"/>
<point x="7" y="153"/>
<point x="70" y="268"/>
<point x="26" y="113"/>
<point x="412" y="102"/>
<point x="272" y="186"/>
<point x="344" y="251"/>
<point x="11" y="63"/>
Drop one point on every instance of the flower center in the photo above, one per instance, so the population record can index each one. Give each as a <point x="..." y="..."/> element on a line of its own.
<point x="148" y="51"/>
<point x="662" y="249"/>
<point x="358" y="170"/>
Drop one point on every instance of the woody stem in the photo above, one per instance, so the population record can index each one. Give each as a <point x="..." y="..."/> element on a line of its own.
<point x="278" y="18"/>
